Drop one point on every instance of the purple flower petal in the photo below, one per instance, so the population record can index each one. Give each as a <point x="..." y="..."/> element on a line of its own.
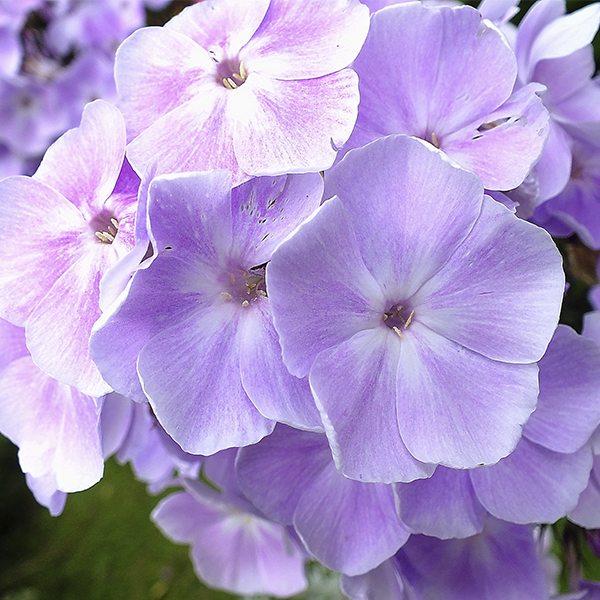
<point x="354" y="383"/>
<point x="55" y="427"/>
<point x="479" y="284"/>
<point x="202" y="408"/>
<point x="39" y="240"/>
<point x="232" y="550"/>
<point x="158" y="70"/>
<point x="403" y="247"/>
<point x="340" y="270"/>
<point x="503" y="147"/>
<point x="276" y="472"/>
<point x="587" y="511"/>
<point x="456" y="407"/>
<point x="533" y="484"/>
<point x="59" y="343"/>
<point x="276" y="393"/>
<point x="266" y="210"/>
<point x="350" y="526"/>
<point x="45" y="492"/>
<point x="444" y="506"/>
<point x="84" y="164"/>
<point x="271" y="136"/>
<point x="568" y="409"/>
<point x="221" y="27"/>
<point x="312" y="38"/>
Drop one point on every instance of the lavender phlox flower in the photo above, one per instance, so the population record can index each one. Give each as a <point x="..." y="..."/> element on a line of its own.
<point x="413" y="345"/>
<point x="202" y="302"/>
<point x="349" y="526"/>
<point x="233" y="547"/>
<point x="74" y="25"/>
<point x="31" y="114"/>
<point x="54" y="425"/>
<point x="258" y="88"/>
<point x="62" y="229"/>
<point x="446" y="76"/>
<point x="555" y="49"/>
<point x="501" y="563"/>
<point x="541" y="480"/>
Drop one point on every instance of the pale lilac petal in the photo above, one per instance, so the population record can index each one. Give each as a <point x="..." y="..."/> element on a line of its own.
<point x="41" y="237"/>
<point x="355" y="386"/>
<point x="296" y="285"/>
<point x="271" y="136"/>
<point x="533" y="484"/>
<point x="568" y="409"/>
<point x="565" y="76"/>
<point x="157" y="70"/>
<point x="307" y="39"/>
<point x="456" y="407"/>
<point x="443" y="506"/>
<point x="276" y="472"/>
<point x="206" y="123"/>
<point x="55" y="427"/>
<point x="536" y="18"/>
<point x="231" y="550"/>
<point x="59" y="342"/>
<point x="348" y="525"/>
<point x="276" y="393"/>
<point x="587" y="511"/>
<point x="202" y="408"/>
<point x="84" y="164"/>
<point x="222" y="28"/>
<point x="567" y="34"/>
<point x="380" y="186"/>
<point x="504" y="258"/>
<point x="498" y="11"/>
<point x="266" y="210"/>
<point x="502" y="563"/>
<point x="503" y="154"/>
<point x="45" y="492"/>
<point x="463" y="71"/>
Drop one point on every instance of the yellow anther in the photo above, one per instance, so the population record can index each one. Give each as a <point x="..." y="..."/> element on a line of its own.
<point x="227" y="84"/>
<point x="226" y="295"/>
<point x="115" y="223"/>
<point x="232" y="278"/>
<point x="245" y="303"/>
<point x="398" y="332"/>
<point x="435" y="140"/>
<point x="243" y="72"/>
<point x="409" y="319"/>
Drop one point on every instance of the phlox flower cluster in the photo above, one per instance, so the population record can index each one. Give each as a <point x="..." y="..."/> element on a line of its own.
<point x="296" y="261"/>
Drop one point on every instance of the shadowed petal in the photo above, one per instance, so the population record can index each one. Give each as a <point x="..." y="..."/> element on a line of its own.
<point x="275" y="473"/>
<point x="568" y="409"/>
<point x="266" y="210"/>
<point x="587" y="511"/>
<point x="533" y="484"/>
<point x="350" y="526"/>
<point x="444" y="506"/>
<point x="276" y="393"/>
